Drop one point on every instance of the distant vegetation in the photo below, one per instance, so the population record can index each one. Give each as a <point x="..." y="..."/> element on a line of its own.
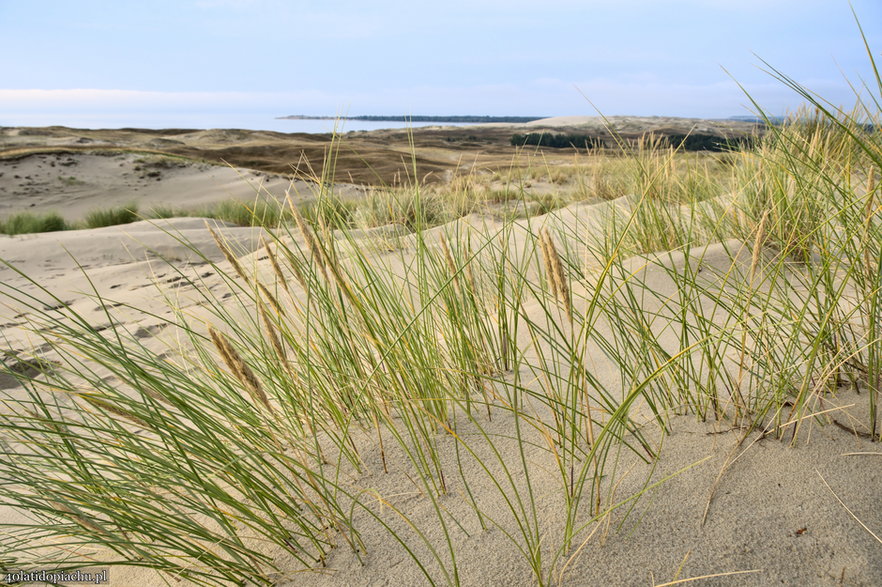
<point x="556" y="141"/>
<point x="263" y="213"/>
<point x="418" y="118"/>
<point x="690" y="142"/>
<point x="701" y="142"/>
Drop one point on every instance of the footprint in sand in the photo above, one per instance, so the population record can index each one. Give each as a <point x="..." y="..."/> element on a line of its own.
<point x="148" y="331"/>
<point x="18" y="368"/>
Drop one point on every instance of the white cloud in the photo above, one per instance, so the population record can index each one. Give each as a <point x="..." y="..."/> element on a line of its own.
<point x="29" y="100"/>
<point x="641" y="95"/>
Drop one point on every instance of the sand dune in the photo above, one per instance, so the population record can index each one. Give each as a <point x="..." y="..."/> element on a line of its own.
<point x="722" y="505"/>
<point x="74" y="184"/>
<point x="771" y="518"/>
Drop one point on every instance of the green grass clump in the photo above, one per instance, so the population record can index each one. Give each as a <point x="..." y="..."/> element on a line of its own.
<point x="25" y="223"/>
<point x="244" y="214"/>
<point x="161" y="212"/>
<point x="111" y="216"/>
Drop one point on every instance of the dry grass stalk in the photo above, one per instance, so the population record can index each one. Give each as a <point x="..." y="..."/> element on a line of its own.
<point x="238" y="367"/>
<point x="314" y="250"/>
<point x="270" y="329"/>
<point x="77" y="517"/>
<point x="296" y="268"/>
<point x="470" y="274"/>
<point x="271" y="298"/>
<point x="228" y="254"/>
<point x="319" y="255"/>
<point x="109" y="407"/>
<point x="451" y="265"/>
<point x="555" y="270"/>
<point x="343" y="284"/>
<point x="756" y="255"/>
<point x="277" y="269"/>
<point x="470" y="277"/>
<point x="758" y="246"/>
<point x="869" y="212"/>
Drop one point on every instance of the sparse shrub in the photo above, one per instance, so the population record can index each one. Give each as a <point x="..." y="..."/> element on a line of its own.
<point x="705" y="142"/>
<point x="556" y="141"/>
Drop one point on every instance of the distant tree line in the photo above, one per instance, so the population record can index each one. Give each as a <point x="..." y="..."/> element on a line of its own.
<point x="556" y="141"/>
<point x="418" y="118"/>
<point x="691" y="142"/>
<point x="701" y="142"/>
<point x="475" y="119"/>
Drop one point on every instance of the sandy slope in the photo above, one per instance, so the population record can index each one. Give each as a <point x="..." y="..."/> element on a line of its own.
<point x="772" y="513"/>
<point x="73" y="184"/>
<point x="384" y="157"/>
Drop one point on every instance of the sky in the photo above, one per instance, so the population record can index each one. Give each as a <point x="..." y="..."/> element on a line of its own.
<point x="117" y="62"/>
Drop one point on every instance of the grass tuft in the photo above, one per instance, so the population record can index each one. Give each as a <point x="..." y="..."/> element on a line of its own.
<point x="26" y="223"/>
<point x="111" y="216"/>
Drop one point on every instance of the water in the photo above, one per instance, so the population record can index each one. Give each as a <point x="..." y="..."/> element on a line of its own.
<point x="203" y="120"/>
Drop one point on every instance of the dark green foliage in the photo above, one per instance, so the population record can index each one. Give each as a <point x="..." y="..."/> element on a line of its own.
<point x="419" y="118"/>
<point x="556" y="141"/>
<point x="702" y="142"/>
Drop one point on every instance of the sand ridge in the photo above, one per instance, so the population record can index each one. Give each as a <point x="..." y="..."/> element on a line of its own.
<point x="75" y="184"/>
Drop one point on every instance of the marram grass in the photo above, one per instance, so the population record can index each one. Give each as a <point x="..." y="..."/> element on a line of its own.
<point x="239" y="460"/>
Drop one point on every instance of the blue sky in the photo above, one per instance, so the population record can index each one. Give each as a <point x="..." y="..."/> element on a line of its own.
<point x="500" y="57"/>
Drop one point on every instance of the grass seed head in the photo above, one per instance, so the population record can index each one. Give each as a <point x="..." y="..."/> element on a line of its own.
<point x="277" y="269"/>
<point x="271" y="298"/>
<point x="77" y="517"/>
<point x="113" y="409"/>
<point x="309" y="237"/>
<point x="238" y="367"/>
<point x="228" y="254"/>
<point x="554" y="266"/>
<point x="758" y="242"/>
<point x="270" y="329"/>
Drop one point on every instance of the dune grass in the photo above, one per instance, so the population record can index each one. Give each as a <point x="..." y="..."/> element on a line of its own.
<point x="111" y="216"/>
<point x="26" y="223"/>
<point x="240" y="458"/>
<point x="507" y="194"/>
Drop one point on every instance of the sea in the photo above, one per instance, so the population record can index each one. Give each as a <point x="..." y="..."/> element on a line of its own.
<point x="191" y="120"/>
